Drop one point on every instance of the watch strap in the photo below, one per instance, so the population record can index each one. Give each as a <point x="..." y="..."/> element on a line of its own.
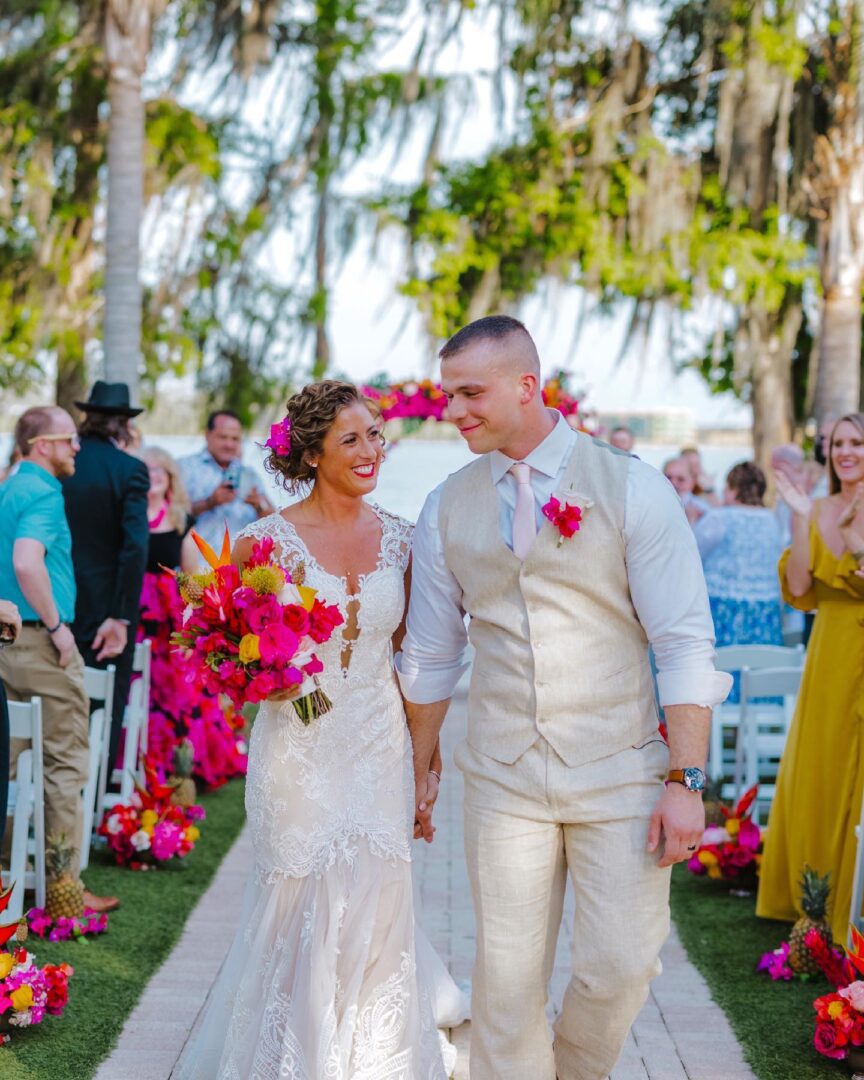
<point x="675" y="776"/>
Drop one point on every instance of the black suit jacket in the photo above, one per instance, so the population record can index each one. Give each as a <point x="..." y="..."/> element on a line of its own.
<point x="106" y="504"/>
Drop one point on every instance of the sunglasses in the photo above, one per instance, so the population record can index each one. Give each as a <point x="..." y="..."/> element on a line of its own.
<point x="58" y="437"/>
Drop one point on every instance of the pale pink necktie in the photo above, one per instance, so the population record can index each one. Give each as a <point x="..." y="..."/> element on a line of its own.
<point x="524" y="521"/>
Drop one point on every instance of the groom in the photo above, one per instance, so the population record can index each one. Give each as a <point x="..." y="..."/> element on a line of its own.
<point x="564" y="766"/>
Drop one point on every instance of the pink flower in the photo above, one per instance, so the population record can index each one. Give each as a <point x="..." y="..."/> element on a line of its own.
<point x="166" y="840"/>
<point x="567" y="519"/>
<point x="280" y="437"/>
<point x="825" y="1041"/>
<point x="278" y="645"/>
<point x="749" y="835"/>
<point x="854" y="994"/>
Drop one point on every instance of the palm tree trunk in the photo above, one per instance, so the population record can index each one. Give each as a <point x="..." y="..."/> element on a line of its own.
<point x="127" y="42"/>
<point x="838" y="382"/>
<point x="770" y="338"/>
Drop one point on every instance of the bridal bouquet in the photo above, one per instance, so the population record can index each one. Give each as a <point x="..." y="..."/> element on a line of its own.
<point x="253" y="632"/>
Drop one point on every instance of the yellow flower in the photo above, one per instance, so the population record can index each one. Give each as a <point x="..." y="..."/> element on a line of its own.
<point x="22" y="998"/>
<point x="707" y="858"/>
<point x="6" y="964"/>
<point x="264" y="579"/>
<point x="249" y="650"/>
<point x="715" y="872"/>
<point x="835" y="1009"/>
<point x="192" y="833"/>
<point x="733" y="826"/>
<point x="149" y="819"/>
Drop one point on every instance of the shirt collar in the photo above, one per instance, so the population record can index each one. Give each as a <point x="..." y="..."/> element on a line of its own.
<point x="545" y="458"/>
<point x="37" y="470"/>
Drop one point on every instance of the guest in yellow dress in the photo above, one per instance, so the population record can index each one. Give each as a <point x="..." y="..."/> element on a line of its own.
<point x="821" y="779"/>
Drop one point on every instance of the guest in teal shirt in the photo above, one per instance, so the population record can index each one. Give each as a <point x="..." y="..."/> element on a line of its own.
<point x="32" y="508"/>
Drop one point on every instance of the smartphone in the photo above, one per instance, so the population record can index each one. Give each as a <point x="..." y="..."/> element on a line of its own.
<point x="231" y="476"/>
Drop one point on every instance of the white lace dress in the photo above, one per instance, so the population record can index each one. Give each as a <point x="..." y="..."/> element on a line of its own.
<point x="321" y="980"/>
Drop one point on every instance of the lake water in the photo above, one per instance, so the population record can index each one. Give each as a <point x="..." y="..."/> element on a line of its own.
<point x="415" y="466"/>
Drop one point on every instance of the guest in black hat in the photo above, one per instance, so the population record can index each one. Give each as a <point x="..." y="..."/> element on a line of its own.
<point x="106" y="504"/>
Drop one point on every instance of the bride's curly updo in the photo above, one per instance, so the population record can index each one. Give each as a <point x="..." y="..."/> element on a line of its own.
<point x="311" y="413"/>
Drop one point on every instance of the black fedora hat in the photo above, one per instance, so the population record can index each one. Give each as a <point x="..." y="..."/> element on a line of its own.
<point x="109" y="397"/>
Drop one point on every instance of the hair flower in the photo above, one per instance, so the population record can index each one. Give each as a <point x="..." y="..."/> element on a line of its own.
<point x="280" y="437"/>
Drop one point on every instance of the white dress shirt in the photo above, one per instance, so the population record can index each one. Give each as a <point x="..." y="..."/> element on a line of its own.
<point x="663" y="567"/>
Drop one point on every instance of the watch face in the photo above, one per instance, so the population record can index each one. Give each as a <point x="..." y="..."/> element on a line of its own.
<point x="694" y="779"/>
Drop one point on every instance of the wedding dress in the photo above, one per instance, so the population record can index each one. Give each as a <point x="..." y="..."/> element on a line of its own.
<point x="321" y="982"/>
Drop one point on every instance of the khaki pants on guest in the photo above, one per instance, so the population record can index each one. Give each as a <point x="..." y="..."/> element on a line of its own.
<point x="527" y="826"/>
<point x="30" y="668"/>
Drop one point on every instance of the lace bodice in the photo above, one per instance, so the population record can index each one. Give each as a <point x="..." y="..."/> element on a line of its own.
<point x="313" y="791"/>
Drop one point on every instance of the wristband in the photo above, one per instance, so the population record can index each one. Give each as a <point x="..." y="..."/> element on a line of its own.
<point x="435" y="774"/>
<point x="54" y="629"/>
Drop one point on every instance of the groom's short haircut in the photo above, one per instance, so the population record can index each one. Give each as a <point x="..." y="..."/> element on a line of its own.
<point x="497" y="328"/>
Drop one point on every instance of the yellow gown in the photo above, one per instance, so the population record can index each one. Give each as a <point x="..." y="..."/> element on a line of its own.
<point x="821" y="779"/>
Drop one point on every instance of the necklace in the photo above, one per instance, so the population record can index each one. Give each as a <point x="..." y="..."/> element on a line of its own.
<point x="155" y="522"/>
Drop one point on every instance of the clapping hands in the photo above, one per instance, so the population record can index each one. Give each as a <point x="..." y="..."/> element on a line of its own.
<point x="790" y="487"/>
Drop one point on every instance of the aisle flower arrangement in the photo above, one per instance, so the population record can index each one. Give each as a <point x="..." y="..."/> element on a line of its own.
<point x="839" y="1032"/>
<point x="150" y="829"/>
<point x="42" y="925"/>
<point x="253" y="632"/>
<point x="556" y="395"/>
<point x="732" y="850"/>
<point x="28" y="993"/>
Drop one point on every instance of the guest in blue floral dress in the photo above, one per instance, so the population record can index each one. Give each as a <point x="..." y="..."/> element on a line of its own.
<point x="740" y="544"/>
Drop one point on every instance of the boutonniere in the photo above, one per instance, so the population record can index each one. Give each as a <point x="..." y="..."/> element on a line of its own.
<point x="567" y="516"/>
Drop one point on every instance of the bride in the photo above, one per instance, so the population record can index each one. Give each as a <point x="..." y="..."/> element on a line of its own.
<point x="322" y="979"/>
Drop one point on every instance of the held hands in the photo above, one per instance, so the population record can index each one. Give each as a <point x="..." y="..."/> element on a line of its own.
<point x="679" y="818"/>
<point x="793" y="493"/>
<point x="110" y="640"/>
<point x="426" y="794"/>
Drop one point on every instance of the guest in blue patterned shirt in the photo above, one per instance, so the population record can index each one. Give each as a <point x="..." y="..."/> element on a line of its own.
<point x="740" y="544"/>
<point x="222" y="490"/>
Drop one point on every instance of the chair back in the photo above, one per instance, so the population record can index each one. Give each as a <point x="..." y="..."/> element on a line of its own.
<point x="141" y="663"/>
<point x="737" y="657"/>
<point x="99" y="683"/>
<point x="27" y="804"/>
<point x="770" y="682"/>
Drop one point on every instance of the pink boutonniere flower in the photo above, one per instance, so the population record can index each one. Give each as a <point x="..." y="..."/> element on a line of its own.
<point x="280" y="437"/>
<point x="567" y="519"/>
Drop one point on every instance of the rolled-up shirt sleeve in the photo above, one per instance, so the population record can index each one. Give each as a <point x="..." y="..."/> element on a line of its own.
<point x="432" y="659"/>
<point x="668" y="590"/>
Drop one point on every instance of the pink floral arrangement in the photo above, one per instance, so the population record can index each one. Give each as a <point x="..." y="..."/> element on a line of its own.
<point x="567" y="519"/>
<point x="28" y="992"/>
<point x="556" y="395"/>
<point x="150" y="829"/>
<point x="731" y="850"/>
<point x="89" y="925"/>
<point x="839" y="1015"/>
<point x="421" y="400"/>
<point x="253" y="632"/>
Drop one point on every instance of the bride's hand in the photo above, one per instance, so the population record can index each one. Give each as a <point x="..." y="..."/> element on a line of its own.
<point x="795" y="497"/>
<point x="426" y="796"/>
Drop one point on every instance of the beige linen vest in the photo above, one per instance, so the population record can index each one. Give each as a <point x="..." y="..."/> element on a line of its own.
<point x="559" y="649"/>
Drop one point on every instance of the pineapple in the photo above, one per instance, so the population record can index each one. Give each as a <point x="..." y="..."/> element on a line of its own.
<point x="814" y="904"/>
<point x="64" y="894"/>
<point x="184" y="786"/>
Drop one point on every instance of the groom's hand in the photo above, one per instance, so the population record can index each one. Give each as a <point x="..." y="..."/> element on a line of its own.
<point x="679" y="818"/>
<point x="426" y="794"/>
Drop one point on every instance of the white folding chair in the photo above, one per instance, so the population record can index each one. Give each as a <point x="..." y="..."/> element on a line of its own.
<point x="97" y="738"/>
<point x="726" y="717"/>
<point x="27" y="808"/>
<point x="141" y="662"/>
<point x="762" y="731"/>
<point x="99" y="685"/>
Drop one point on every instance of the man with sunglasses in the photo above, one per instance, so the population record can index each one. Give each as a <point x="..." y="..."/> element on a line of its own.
<point x="37" y="575"/>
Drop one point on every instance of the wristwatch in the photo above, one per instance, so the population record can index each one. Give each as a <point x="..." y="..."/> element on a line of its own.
<point x="691" y="778"/>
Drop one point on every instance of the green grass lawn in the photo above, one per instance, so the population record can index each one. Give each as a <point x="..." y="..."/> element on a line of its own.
<point x="772" y="1020"/>
<point x="112" y="970"/>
